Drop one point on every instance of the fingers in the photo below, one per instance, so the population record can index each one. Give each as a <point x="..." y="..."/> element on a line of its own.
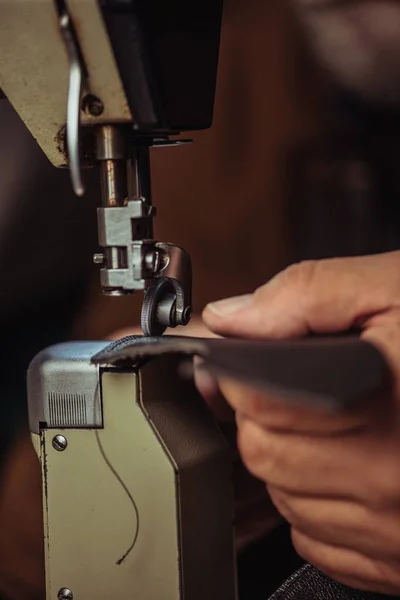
<point x="339" y="522"/>
<point x="383" y="331"/>
<point x="357" y="466"/>
<point x="274" y="412"/>
<point x="346" y="566"/>
<point x="313" y="296"/>
<point x="208" y="387"/>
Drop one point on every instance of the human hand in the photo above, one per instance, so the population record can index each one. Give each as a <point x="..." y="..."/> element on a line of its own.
<point x="334" y="477"/>
<point x="255" y="515"/>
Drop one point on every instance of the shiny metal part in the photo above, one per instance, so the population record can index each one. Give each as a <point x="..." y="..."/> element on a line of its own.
<point x="99" y="259"/>
<point x="114" y="182"/>
<point x="126" y="267"/>
<point x="112" y="152"/>
<point x="65" y="388"/>
<point x="59" y="443"/>
<point x="167" y="303"/>
<point x="74" y="100"/>
<point x="159" y="309"/>
<point x="152" y="261"/>
<point x="178" y="270"/>
<point x="166" y="310"/>
<point x="132" y="260"/>
<point x="111" y="143"/>
<point x="65" y="594"/>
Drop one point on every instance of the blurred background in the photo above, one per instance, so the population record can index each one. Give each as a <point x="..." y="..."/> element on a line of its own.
<point x="290" y="170"/>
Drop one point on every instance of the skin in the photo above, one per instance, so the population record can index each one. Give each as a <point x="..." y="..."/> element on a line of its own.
<point x="255" y="514"/>
<point x="334" y="477"/>
<point x="366" y="32"/>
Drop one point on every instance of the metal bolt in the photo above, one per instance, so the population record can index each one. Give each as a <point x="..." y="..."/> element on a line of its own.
<point x="99" y="259"/>
<point x="65" y="594"/>
<point x="92" y="105"/>
<point x="59" y="443"/>
<point x="152" y="261"/>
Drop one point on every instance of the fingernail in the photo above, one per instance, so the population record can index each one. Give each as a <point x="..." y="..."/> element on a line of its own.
<point x="229" y="306"/>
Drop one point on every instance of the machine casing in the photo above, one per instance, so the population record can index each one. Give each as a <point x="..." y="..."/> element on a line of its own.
<point x="139" y="503"/>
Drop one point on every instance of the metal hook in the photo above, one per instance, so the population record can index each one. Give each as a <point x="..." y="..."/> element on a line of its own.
<point x="74" y="102"/>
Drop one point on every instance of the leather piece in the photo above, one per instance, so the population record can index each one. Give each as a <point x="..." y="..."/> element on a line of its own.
<point x="310" y="584"/>
<point x="338" y="372"/>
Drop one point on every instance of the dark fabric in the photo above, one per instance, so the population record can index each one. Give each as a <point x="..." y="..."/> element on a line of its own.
<point x="310" y="584"/>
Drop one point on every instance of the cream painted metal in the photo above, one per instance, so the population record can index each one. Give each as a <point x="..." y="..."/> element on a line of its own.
<point x="34" y="68"/>
<point x="140" y="507"/>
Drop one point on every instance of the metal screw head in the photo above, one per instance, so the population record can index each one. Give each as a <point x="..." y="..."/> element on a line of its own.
<point x="65" y="594"/>
<point x="92" y="105"/>
<point x="99" y="259"/>
<point x="152" y="261"/>
<point x="60" y="443"/>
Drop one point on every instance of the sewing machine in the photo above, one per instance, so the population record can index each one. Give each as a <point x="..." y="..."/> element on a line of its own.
<point x="100" y="83"/>
<point x="137" y="498"/>
<point x="136" y="475"/>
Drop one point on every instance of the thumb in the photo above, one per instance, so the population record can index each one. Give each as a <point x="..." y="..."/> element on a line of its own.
<point x="314" y="296"/>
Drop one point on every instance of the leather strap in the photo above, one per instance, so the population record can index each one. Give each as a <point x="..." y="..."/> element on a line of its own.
<point x="335" y="372"/>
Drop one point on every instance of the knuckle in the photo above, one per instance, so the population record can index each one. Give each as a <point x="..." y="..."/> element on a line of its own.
<point x="282" y="502"/>
<point x="303" y="545"/>
<point x="301" y="275"/>
<point x="296" y="277"/>
<point x="260" y="454"/>
<point x="300" y="280"/>
<point x="385" y="480"/>
<point x="309" y="550"/>
<point x="249" y="445"/>
<point x="255" y="404"/>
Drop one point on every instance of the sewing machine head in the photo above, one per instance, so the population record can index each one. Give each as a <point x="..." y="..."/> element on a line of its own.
<point x="100" y="82"/>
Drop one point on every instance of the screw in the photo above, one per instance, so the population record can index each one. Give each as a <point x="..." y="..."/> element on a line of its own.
<point x="99" y="259"/>
<point x="65" y="594"/>
<point x="59" y="443"/>
<point x="92" y="105"/>
<point x="152" y="261"/>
